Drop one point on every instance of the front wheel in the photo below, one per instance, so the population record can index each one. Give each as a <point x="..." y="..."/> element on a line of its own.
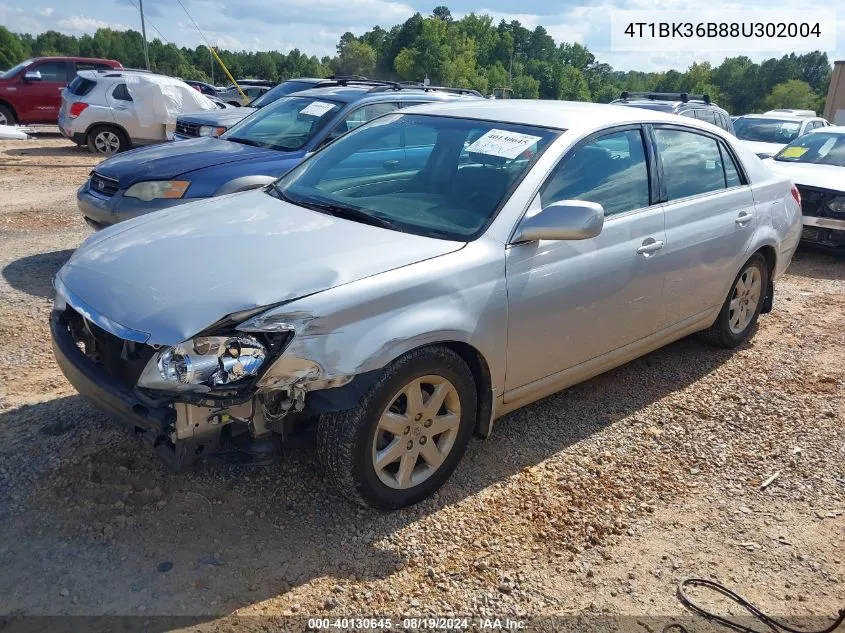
<point x="407" y="433"/>
<point x="7" y="117"/>
<point x="742" y="306"/>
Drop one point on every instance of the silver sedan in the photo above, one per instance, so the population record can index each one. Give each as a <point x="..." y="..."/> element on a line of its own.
<point x="420" y="277"/>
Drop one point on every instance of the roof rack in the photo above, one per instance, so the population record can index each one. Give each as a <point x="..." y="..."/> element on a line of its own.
<point x="676" y="96"/>
<point x="348" y="78"/>
<point x="457" y="91"/>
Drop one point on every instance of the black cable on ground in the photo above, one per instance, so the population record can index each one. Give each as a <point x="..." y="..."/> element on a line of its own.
<point x="774" y="625"/>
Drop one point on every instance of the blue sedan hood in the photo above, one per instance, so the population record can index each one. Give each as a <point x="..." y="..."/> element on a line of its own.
<point x="169" y="160"/>
<point x="226" y="118"/>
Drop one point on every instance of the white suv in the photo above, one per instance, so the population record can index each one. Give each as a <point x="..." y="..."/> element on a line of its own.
<point x="99" y="110"/>
<point x="766" y="134"/>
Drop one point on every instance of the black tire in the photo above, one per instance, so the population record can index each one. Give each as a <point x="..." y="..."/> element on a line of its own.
<point x="346" y="439"/>
<point x="103" y="137"/>
<point x="7" y="117"/>
<point x="720" y="333"/>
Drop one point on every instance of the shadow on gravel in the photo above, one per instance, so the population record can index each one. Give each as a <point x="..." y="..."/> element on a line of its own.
<point x="34" y="274"/>
<point x="70" y="149"/>
<point x="814" y="262"/>
<point x="93" y="513"/>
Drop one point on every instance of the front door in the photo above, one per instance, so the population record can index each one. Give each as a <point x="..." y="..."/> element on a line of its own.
<point x="40" y="99"/>
<point x="572" y="301"/>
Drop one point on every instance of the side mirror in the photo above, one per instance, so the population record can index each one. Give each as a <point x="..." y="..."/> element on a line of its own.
<point x="32" y="75"/>
<point x="563" y="220"/>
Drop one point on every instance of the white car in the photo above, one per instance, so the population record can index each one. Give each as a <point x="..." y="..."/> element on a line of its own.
<point x="766" y="134"/>
<point x="113" y="110"/>
<point x="816" y="164"/>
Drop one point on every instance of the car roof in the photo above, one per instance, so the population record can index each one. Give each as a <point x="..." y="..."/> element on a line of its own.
<point x="785" y="116"/>
<point x="348" y="94"/>
<point x="71" y="58"/>
<point x="835" y="129"/>
<point x="564" y="115"/>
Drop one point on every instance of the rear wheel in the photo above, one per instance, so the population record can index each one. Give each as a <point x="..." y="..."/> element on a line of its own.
<point x="106" y="139"/>
<point x="406" y="435"/>
<point x="7" y="117"/>
<point x="742" y="306"/>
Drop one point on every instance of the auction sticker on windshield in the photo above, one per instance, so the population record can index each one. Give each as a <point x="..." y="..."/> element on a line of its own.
<point x="502" y="143"/>
<point x="316" y="108"/>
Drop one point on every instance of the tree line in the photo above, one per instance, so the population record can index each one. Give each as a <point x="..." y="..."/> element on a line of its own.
<point x="472" y="52"/>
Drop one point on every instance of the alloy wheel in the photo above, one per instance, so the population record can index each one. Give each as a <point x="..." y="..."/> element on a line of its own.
<point x="416" y="432"/>
<point x="107" y="142"/>
<point x="744" y="299"/>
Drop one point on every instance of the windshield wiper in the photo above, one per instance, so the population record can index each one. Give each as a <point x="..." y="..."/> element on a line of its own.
<point x="243" y="141"/>
<point x="349" y="213"/>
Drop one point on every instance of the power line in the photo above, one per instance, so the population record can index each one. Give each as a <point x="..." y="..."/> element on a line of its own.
<point x="197" y="26"/>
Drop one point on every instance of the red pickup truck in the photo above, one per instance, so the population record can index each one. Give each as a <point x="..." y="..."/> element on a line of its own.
<point x="31" y="91"/>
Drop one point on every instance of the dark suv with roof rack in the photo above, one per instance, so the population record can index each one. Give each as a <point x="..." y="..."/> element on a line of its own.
<point x="254" y="152"/>
<point x="682" y="103"/>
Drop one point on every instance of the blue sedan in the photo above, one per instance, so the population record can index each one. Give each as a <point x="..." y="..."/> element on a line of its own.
<point x="251" y="154"/>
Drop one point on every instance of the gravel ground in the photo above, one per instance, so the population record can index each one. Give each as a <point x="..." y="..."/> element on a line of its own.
<point x="595" y="501"/>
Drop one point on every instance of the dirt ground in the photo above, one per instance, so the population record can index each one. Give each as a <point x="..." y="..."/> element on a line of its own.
<point x="594" y="502"/>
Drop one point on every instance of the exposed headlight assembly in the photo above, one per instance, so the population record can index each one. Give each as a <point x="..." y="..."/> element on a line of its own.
<point x="210" y="130"/>
<point x="156" y="189"/>
<point x="205" y="362"/>
<point x="837" y="205"/>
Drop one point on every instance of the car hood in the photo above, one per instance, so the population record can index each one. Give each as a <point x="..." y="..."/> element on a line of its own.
<point x="809" y="175"/>
<point x="226" y="117"/>
<point x="173" y="273"/>
<point x="168" y="160"/>
<point x="764" y="148"/>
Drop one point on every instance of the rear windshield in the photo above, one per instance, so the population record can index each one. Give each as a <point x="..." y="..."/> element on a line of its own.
<point x="81" y="86"/>
<point x="767" y="130"/>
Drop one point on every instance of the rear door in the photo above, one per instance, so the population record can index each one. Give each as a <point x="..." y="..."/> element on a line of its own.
<point x="125" y="115"/>
<point x="40" y="100"/>
<point x="710" y="217"/>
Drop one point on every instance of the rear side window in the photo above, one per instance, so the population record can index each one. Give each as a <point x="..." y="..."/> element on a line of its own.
<point x="121" y="93"/>
<point x="732" y="178"/>
<point x="692" y="163"/>
<point x="610" y="170"/>
<point x="706" y="115"/>
<point x="81" y="86"/>
<point x="92" y="66"/>
<point x="52" y="71"/>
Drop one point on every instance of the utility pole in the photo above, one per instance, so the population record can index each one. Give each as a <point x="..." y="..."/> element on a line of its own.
<point x="144" y="34"/>
<point x="212" y="66"/>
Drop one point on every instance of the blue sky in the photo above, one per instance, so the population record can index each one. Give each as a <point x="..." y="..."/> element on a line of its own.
<point x="314" y="26"/>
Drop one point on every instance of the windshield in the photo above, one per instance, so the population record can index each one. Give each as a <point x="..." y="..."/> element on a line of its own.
<point x="15" y="70"/>
<point x="767" y="130"/>
<point x="285" y="125"/>
<point x="430" y="175"/>
<point x="818" y="148"/>
<point x="282" y="90"/>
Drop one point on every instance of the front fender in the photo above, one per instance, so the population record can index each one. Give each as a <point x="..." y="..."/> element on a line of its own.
<point x="363" y="326"/>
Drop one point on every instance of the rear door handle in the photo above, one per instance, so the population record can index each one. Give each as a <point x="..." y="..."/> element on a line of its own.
<point x="650" y="246"/>
<point x="744" y="218"/>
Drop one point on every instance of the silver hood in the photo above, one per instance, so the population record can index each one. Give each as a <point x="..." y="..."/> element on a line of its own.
<point x="173" y="273"/>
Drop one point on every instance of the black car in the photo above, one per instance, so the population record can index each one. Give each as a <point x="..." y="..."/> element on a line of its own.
<point x="681" y="103"/>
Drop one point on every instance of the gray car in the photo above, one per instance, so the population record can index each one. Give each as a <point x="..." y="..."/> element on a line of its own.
<point x="407" y="305"/>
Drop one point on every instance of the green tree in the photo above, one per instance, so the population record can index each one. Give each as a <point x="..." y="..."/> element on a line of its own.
<point x="792" y="94"/>
<point x="525" y="87"/>
<point x="12" y="51"/>
<point x="354" y="57"/>
<point x="571" y="84"/>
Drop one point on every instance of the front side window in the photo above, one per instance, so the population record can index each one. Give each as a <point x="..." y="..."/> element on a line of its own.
<point x="358" y="117"/>
<point x="767" y="130"/>
<point x="286" y="124"/>
<point x="52" y="71"/>
<point x="451" y="189"/>
<point x="706" y="115"/>
<point x="611" y="170"/>
<point x="820" y="148"/>
<point x="692" y="163"/>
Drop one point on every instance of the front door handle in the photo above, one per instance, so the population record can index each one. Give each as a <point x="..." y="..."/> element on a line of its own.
<point x="650" y="246"/>
<point x="744" y="218"/>
<point x="391" y="164"/>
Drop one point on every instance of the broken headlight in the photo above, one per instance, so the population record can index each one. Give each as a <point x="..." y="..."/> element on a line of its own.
<point x="837" y="205"/>
<point x="205" y="361"/>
